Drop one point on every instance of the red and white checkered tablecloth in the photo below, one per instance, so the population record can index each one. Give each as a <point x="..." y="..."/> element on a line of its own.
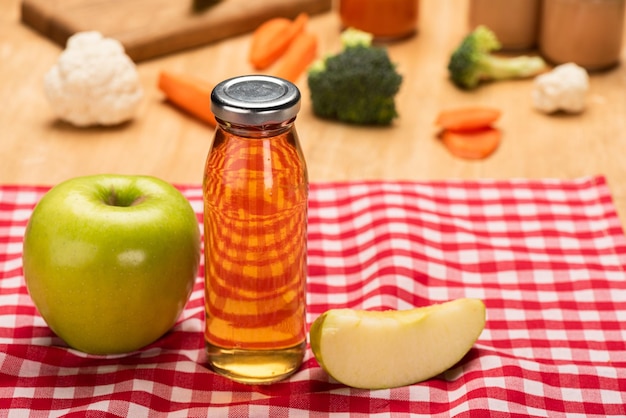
<point x="548" y="258"/>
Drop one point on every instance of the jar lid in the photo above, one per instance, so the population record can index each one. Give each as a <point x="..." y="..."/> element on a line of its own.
<point x="255" y="100"/>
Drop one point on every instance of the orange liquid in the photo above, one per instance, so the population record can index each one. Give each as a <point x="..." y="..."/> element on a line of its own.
<point x="385" y="19"/>
<point x="255" y="202"/>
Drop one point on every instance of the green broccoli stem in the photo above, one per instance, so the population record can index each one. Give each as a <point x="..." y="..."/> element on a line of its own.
<point x="502" y="68"/>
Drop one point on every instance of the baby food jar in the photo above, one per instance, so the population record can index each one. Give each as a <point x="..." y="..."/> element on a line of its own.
<point x="385" y="19"/>
<point x="515" y="22"/>
<point x="585" y="32"/>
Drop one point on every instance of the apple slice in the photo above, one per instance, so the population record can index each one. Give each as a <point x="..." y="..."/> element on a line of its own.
<point x="376" y="350"/>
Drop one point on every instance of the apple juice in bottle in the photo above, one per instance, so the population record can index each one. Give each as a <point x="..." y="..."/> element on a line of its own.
<point x="255" y="190"/>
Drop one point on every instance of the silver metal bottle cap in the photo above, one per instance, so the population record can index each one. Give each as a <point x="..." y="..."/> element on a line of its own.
<point x="255" y="100"/>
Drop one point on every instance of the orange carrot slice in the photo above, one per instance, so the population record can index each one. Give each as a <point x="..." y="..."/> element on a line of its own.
<point x="473" y="145"/>
<point x="298" y="57"/>
<point x="272" y="39"/>
<point x="188" y="93"/>
<point x="467" y="118"/>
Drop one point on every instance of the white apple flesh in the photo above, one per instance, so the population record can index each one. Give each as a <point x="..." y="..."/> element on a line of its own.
<point x="110" y="261"/>
<point x="376" y="350"/>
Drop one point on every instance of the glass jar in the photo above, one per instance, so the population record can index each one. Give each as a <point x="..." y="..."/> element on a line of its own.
<point x="515" y="22"/>
<point x="585" y="32"/>
<point x="385" y="19"/>
<point x="255" y="191"/>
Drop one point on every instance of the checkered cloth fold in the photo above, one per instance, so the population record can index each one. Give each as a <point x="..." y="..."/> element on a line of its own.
<point x="548" y="258"/>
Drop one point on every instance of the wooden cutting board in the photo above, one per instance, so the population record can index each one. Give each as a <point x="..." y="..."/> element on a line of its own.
<point x="150" y="28"/>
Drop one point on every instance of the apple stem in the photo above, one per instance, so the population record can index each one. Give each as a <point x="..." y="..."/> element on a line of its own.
<point x="114" y="199"/>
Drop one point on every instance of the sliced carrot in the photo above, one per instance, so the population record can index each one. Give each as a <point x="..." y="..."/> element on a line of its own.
<point x="467" y="118"/>
<point x="298" y="57"/>
<point x="473" y="145"/>
<point x="272" y="39"/>
<point x="189" y="93"/>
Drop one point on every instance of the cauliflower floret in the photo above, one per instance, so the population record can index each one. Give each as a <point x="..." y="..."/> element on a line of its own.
<point x="93" y="82"/>
<point x="564" y="88"/>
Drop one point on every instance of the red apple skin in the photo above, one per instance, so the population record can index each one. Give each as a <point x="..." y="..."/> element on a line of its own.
<point x="110" y="260"/>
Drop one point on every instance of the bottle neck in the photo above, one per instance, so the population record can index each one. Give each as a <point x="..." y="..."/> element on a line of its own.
<point x="256" y="131"/>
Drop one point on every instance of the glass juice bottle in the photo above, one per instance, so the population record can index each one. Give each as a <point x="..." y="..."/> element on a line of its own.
<point x="255" y="215"/>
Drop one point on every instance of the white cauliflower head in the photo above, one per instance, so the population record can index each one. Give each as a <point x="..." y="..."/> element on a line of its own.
<point x="564" y="88"/>
<point x="93" y="82"/>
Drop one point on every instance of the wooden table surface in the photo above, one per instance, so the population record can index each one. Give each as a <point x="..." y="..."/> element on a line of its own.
<point x="161" y="141"/>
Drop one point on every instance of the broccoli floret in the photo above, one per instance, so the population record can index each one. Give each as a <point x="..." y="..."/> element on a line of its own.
<point x="358" y="85"/>
<point x="354" y="37"/>
<point x="473" y="61"/>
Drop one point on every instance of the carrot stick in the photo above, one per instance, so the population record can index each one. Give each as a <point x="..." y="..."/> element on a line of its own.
<point x="473" y="145"/>
<point x="189" y="93"/>
<point x="272" y="39"/>
<point x="467" y="118"/>
<point x="298" y="57"/>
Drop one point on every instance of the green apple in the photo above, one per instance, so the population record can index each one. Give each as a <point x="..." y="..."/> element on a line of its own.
<point x="110" y="260"/>
<point x="377" y="350"/>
